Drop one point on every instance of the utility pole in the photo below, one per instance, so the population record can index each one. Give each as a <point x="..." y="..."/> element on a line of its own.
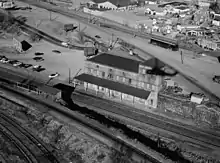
<point x="50" y="14"/>
<point x="181" y="55"/>
<point x="69" y="75"/>
<point x="79" y="26"/>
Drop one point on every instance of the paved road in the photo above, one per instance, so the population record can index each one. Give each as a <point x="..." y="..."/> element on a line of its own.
<point x="198" y="72"/>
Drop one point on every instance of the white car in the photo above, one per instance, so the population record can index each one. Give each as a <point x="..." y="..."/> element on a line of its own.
<point x="17" y="64"/>
<point x="64" y="44"/>
<point x="36" y="66"/>
<point x="5" y="60"/>
<point x="53" y="75"/>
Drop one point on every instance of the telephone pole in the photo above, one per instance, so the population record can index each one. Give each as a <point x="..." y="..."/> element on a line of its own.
<point x="181" y="55"/>
<point x="69" y="75"/>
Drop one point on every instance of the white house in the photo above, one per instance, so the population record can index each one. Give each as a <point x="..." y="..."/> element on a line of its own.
<point x="107" y="5"/>
<point x="216" y="20"/>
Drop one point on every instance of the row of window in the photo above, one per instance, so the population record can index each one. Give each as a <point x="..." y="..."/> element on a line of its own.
<point x="122" y="79"/>
<point x="116" y="93"/>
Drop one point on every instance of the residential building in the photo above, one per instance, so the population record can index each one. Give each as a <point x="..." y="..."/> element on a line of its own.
<point x="216" y="20"/>
<point x="208" y="44"/>
<point x="122" y="79"/>
<point x="114" y="4"/>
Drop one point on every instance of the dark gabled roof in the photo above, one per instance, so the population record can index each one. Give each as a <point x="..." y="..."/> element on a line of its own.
<point x="25" y="45"/>
<point x="116" y="62"/>
<point x="153" y="62"/>
<point x="114" y="86"/>
<point x="48" y="89"/>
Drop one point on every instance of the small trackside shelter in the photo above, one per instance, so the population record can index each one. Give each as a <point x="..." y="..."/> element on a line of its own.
<point x="21" y="44"/>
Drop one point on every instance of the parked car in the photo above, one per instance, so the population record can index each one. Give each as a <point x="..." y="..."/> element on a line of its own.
<point x="17" y="64"/>
<point x="2" y="56"/>
<point x="97" y="36"/>
<point x="13" y="61"/>
<point x="38" y="59"/>
<point x="39" y="53"/>
<point x="5" y="60"/>
<point x="38" y="68"/>
<point x="51" y="76"/>
<point x="64" y="44"/>
<point x="216" y="79"/>
<point x="25" y="65"/>
<point x="56" y="51"/>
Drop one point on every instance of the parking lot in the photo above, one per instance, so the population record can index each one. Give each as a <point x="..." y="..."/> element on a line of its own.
<point x="44" y="58"/>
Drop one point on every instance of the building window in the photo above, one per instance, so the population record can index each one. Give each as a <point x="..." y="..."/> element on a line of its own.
<point x="101" y="88"/>
<point x="141" y="84"/>
<point x="151" y="102"/>
<point x="110" y="76"/>
<point x="124" y="80"/>
<point x="94" y="72"/>
<point x="153" y="88"/>
<point x="103" y="74"/>
<point x="129" y="81"/>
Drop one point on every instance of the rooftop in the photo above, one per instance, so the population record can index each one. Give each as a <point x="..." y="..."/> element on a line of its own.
<point x="153" y="62"/>
<point x="114" y="86"/>
<point x="116" y="62"/>
<point x="124" y="61"/>
<point x="121" y="3"/>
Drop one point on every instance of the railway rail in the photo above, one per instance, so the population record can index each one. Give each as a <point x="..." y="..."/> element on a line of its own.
<point x="106" y="23"/>
<point x="95" y="127"/>
<point x="41" y="152"/>
<point x="28" y="155"/>
<point x="157" y="121"/>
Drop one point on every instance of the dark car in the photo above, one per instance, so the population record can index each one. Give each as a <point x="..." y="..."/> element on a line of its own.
<point x="25" y="65"/>
<point x="38" y="59"/>
<point x="13" y="61"/>
<point x="216" y="79"/>
<point x="56" y="51"/>
<point x="2" y="56"/>
<point x="97" y="36"/>
<point x="39" y="53"/>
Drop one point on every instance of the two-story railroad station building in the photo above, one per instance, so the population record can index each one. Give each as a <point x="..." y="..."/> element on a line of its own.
<point x="122" y="79"/>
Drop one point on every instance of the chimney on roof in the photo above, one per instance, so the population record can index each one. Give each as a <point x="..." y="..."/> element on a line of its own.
<point x="131" y="52"/>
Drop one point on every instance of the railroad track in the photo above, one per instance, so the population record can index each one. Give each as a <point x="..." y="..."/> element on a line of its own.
<point x="40" y="154"/>
<point x="106" y="23"/>
<point x="156" y="121"/>
<point x="95" y="127"/>
<point x="28" y="155"/>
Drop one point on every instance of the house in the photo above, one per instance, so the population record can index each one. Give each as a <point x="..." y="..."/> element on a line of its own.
<point x="195" y="32"/>
<point x="151" y="2"/>
<point x="208" y="44"/>
<point x="6" y="4"/>
<point x="114" y="4"/>
<point x="216" y="20"/>
<point x="122" y="79"/>
<point x="21" y="44"/>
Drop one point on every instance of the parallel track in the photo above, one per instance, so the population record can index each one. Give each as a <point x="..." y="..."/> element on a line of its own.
<point x="84" y="122"/>
<point x="150" y="119"/>
<point x="28" y="155"/>
<point x="12" y="124"/>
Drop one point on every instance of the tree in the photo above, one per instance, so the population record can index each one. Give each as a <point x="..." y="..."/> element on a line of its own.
<point x="35" y="37"/>
<point x="215" y="7"/>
